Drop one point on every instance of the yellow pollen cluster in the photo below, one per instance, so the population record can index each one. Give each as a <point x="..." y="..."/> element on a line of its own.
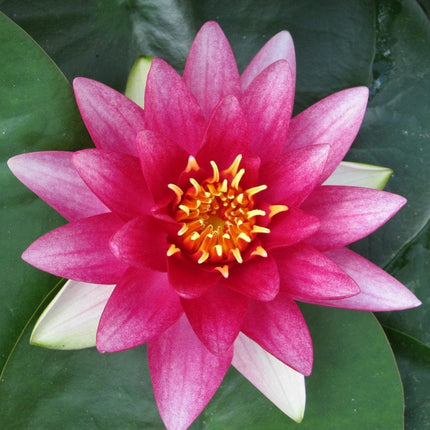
<point x="217" y="216"/>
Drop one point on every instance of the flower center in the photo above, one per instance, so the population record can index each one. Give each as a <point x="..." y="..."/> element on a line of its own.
<point x="218" y="217"/>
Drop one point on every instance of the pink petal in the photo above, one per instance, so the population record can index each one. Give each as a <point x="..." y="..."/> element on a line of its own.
<point x="170" y="108"/>
<point x="79" y="251"/>
<point x="116" y="179"/>
<point x="283" y="386"/>
<point x="141" y="307"/>
<point x="188" y="278"/>
<point x="112" y="119"/>
<point x="293" y="175"/>
<point x="216" y="317"/>
<point x="226" y="135"/>
<point x="141" y="243"/>
<point x="185" y="375"/>
<point x="307" y="274"/>
<point x="52" y="176"/>
<point x="348" y="214"/>
<point x="334" y="120"/>
<point x="257" y="278"/>
<point x="279" y="327"/>
<point x="379" y="290"/>
<point x="268" y="103"/>
<point x="279" y="47"/>
<point x="162" y="161"/>
<point x="211" y="71"/>
<point x="288" y="228"/>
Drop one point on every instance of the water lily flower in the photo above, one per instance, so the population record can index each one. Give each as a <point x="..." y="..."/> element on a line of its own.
<point x="197" y="222"/>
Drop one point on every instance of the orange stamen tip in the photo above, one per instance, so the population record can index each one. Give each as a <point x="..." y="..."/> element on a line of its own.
<point x="192" y="164"/>
<point x="276" y="209"/>
<point x="223" y="270"/>
<point x="260" y="251"/>
<point x="173" y="249"/>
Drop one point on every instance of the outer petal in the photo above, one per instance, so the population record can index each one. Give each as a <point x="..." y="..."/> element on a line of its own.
<point x="379" y="290"/>
<point x="188" y="279"/>
<point x="142" y="306"/>
<point x="71" y="319"/>
<point x="185" y="375"/>
<point x="308" y="275"/>
<point x="290" y="227"/>
<point x="141" y="243"/>
<point x="335" y="120"/>
<point x="283" y="386"/>
<point x="162" y="161"/>
<point x="279" y="47"/>
<point x="257" y="278"/>
<point x="226" y="135"/>
<point x="79" y="251"/>
<point x="349" y="213"/>
<point x="112" y="119"/>
<point x="268" y="103"/>
<point x="216" y="317"/>
<point x="170" y="109"/>
<point x="211" y="71"/>
<point x="52" y="176"/>
<point x="359" y="175"/>
<point x="116" y="179"/>
<point x="293" y="175"/>
<point x="279" y="327"/>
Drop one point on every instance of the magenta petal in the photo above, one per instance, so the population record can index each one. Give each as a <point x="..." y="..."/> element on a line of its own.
<point x="188" y="278"/>
<point x="307" y="275"/>
<point x="279" y="47"/>
<point x="348" y="214"/>
<point x="185" y="375"/>
<point x="334" y="120"/>
<point x="288" y="228"/>
<point x="379" y="290"/>
<point x="211" y="71"/>
<point x="142" y="306"/>
<point x="141" y="243"/>
<point x="279" y="327"/>
<point x="257" y="278"/>
<point x="268" y="103"/>
<point x="293" y="175"/>
<point x="79" y="251"/>
<point x="52" y="176"/>
<point x="170" y="108"/>
<point x="226" y="135"/>
<point x="116" y="179"/>
<point x="216" y="317"/>
<point x="112" y="119"/>
<point x="162" y="161"/>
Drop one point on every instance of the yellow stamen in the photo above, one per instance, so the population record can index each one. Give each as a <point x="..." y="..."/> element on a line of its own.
<point x="237" y="256"/>
<point x="203" y="257"/>
<point x="183" y="230"/>
<point x="218" y="250"/>
<point x="178" y="192"/>
<point x="275" y="209"/>
<point x="237" y="178"/>
<point x="244" y="237"/>
<point x="184" y="208"/>
<point x="256" y="212"/>
<point x="259" y="229"/>
<point x="259" y="250"/>
<point x="223" y="270"/>
<point x="232" y="170"/>
<point x="173" y="249"/>
<point x="255" y="190"/>
<point x="196" y="185"/>
<point x="215" y="176"/>
<point x="192" y="164"/>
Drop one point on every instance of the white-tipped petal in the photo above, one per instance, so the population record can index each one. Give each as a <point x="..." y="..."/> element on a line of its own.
<point x="283" y="386"/>
<point x="70" y="321"/>
<point x="360" y="175"/>
<point x="136" y="83"/>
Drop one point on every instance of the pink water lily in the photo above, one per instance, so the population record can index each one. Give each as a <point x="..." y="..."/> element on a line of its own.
<point x="210" y="212"/>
